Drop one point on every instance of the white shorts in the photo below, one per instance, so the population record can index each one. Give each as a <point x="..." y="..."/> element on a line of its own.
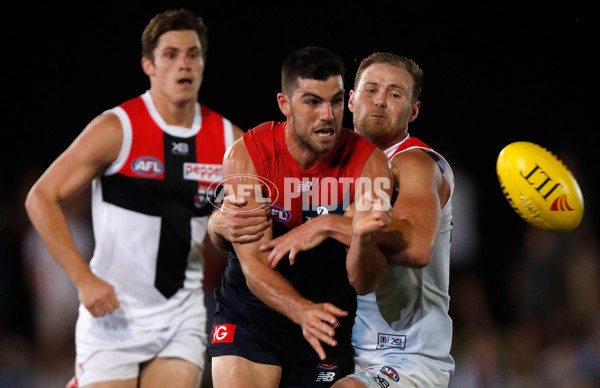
<point x="113" y="347"/>
<point x="414" y="371"/>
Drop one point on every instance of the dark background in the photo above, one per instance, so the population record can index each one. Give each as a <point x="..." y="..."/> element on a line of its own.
<point x="494" y="74"/>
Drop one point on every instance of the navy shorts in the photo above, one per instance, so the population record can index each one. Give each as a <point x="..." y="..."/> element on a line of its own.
<point x="233" y="338"/>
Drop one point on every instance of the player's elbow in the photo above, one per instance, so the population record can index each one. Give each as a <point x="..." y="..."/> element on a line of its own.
<point x="363" y="288"/>
<point x="414" y="257"/>
<point x="32" y="200"/>
<point x="420" y="259"/>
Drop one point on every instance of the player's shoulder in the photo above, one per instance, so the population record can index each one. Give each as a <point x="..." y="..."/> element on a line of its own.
<point x="262" y="138"/>
<point x="107" y="121"/>
<point x="265" y="128"/>
<point x="414" y="158"/>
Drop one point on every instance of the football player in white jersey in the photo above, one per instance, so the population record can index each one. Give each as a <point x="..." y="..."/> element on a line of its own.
<point x="142" y="316"/>
<point x="402" y="333"/>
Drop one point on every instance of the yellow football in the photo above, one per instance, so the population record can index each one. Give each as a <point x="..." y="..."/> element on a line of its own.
<point x="539" y="187"/>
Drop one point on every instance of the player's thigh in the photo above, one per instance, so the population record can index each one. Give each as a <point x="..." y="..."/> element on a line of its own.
<point x="129" y="383"/>
<point x="234" y="371"/>
<point x="347" y="382"/>
<point x="170" y="372"/>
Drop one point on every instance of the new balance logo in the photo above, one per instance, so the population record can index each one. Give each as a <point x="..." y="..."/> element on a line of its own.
<point x="325" y="377"/>
<point x="304" y="186"/>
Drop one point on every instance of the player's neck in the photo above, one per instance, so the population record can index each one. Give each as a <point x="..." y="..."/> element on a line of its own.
<point x="304" y="157"/>
<point x="385" y="142"/>
<point x="178" y="113"/>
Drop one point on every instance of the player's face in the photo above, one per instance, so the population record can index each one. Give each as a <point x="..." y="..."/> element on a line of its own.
<point x="381" y="104"/>
<point x="178" y="65"/>
<point x="315" y="113"/>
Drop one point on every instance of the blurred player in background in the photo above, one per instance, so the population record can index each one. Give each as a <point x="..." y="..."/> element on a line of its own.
<point x="150" y="160"/>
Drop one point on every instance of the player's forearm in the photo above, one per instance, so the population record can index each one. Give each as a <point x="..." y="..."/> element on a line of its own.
<point x="365" y="263"/>
<point x="51" y="225"/>
<point x="273" y="289"/>
<point x="337" y="227"/>
<point x="404" y="245"/>
<point x="215" y="236"/>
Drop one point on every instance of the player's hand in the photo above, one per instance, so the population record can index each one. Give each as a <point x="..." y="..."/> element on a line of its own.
<point x="301" y="238"/>
<point x="239" y="226"/>
<point x="318" y="323"/>
<point x="98" y="297"/>
<point x="371" y="213"/>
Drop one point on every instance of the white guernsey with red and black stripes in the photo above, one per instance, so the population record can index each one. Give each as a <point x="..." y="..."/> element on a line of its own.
<point x="151" y="206"/>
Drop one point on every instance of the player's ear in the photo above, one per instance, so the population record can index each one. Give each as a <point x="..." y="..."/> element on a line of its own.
<point x="148" y="67"/>
<point x="284" y="104"/>
<point x="351" y="101"/>
<point x="416" y="107"/>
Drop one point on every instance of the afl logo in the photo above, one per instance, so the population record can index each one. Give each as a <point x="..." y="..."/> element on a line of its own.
<point x="147" y="166"/>
<point x="390" y="372"/>
<point x="280" y="214"/>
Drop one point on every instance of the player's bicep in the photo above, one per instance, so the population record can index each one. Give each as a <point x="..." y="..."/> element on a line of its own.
<point x="91" y="152"/>
<point x="243" y="192"/>
<point x="418" y="200"/>
<point x="376" y="177"/>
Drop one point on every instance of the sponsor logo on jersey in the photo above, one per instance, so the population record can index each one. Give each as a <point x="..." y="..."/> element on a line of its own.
<point x="182" y="149"/>
<point x="223" y="333"/>
<point x="202" y="172"/>
<point x="327" y="366"/>
<point x="325" y="377"/>
<point x="304" y="186"/>
<point x="205" y="194"/>
<point x="315" y="210"/>
<point x="382" y="382"/>
<point x="280" y="214"/>
<point x="147" y="166"/>
<point x="386" y="341"/>
<point x="390" y="372"/>
<point x="322" y="210"/>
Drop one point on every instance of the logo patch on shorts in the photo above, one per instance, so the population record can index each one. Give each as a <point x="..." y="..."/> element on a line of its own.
<point x="390" y="372"/>
<point x="223" y="333"/>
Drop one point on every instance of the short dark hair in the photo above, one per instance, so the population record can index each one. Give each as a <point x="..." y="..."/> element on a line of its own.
<point x="312" y="63"/>
<point x="397" y="61"/>
<point x="172" y="20"/>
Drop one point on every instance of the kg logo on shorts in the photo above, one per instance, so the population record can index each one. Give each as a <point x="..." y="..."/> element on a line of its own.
<point x="223" y="333"/>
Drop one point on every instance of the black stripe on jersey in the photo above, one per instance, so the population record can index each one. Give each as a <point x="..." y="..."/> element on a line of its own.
<point x="172" y="199"/>
<point x="176" y="235"/>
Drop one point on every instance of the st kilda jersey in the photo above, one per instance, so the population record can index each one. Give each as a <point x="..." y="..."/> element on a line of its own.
<point x="295" y="196"/>
<point x="150" y="209"/>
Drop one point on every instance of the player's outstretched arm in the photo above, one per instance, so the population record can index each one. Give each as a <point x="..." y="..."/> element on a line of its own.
<point x="94" y="149"/>
<point x="317" y="320"/>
